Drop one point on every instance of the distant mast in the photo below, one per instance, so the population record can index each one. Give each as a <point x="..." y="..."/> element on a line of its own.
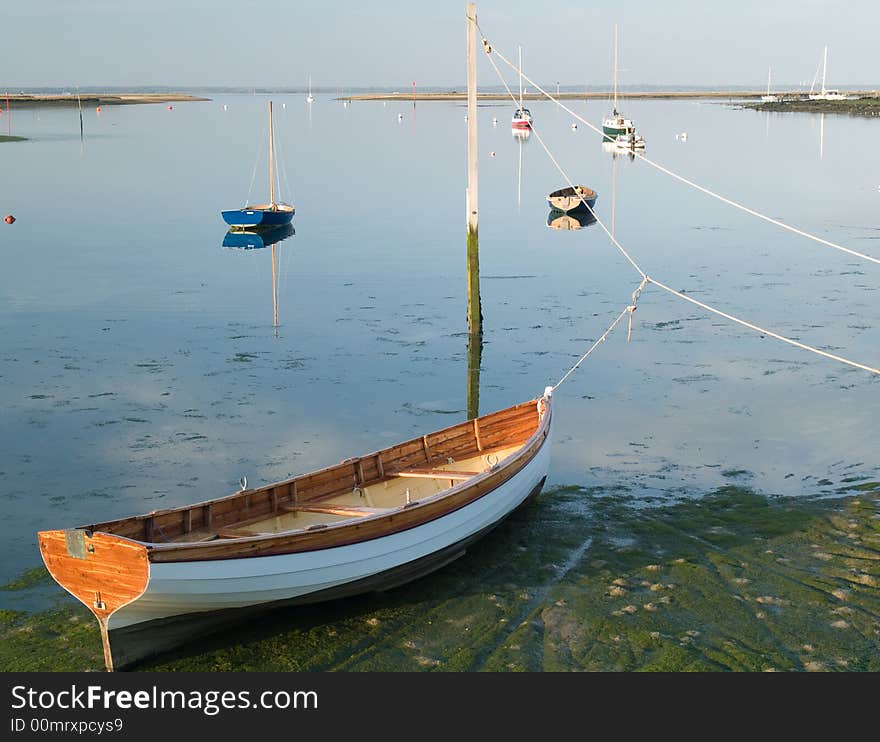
<point x="271" y="160"/>
<point x="824" y="68"/>
<point x="520" y="77"/>
<point x="615" y="69"/>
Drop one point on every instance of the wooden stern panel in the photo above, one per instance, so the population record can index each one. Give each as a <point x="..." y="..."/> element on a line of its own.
<point x="103" y="571"/>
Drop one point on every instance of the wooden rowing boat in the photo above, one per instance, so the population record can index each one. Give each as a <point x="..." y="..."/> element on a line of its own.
<point x="573" y="199"/>
<point x="371" y="522"/>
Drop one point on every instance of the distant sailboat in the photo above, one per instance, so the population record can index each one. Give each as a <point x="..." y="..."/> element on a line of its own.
<point x="825" y="94"/>
<point x="616" y="125"/>
<point x="272" y="214"/>
<point x="310" y="98"/>
<point x="769" y="97"/>
<point x="522" y="117"/>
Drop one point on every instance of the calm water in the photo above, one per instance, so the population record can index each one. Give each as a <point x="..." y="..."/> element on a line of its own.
<point x="139" y="368"/>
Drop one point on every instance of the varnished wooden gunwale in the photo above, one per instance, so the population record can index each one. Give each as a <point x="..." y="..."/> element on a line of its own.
<point x="226" y="514"/>
<point x="353" y="531"/>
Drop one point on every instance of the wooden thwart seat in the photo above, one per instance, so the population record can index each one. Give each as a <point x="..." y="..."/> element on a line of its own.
<point x="236" y="533"/>
<point x="436" y="473"/>
<point x="346" y="510"/>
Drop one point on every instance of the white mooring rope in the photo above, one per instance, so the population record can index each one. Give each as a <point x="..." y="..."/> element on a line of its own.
<point x="647" y="279"/>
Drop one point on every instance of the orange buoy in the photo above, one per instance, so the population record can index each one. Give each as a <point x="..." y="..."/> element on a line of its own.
<point x="98" y="109"/>
<point x="9" y="219"/>
<point x="169" y="108"/>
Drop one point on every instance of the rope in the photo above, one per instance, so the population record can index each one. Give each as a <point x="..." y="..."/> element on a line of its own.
<point x="569" y="181"/>
<point x="684" y="180"/>
<point x="645" y="278"/>
<point x="629" y="310"/>
<point x="766" y="332"/>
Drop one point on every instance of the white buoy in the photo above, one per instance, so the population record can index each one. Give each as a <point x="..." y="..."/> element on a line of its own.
<point x="684" y="136"/>
<point x="574" y="126"/>
<point x="492" y="154"/>
<point x="225" y="107"/>
<point x="494" y="122"/>
<point x="400" y="117"/>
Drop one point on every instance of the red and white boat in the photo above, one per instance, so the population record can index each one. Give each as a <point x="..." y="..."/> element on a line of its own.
<point x="522" y="117"/>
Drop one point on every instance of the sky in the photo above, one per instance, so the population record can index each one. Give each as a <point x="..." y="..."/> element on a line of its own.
<point x="348" y="43"/>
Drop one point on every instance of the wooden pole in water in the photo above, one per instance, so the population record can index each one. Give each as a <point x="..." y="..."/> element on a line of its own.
<point x="79" y="103"/>
<point x="475" y="315"/>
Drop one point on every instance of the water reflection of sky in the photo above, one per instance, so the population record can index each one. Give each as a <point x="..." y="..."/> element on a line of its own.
<point x="138" y="360"/>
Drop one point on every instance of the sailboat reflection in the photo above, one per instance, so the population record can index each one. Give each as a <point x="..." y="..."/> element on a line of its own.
<point x="256" y="239"/>
<point x="521" y="135"/>
<point x="570" y="220"/>
<point x="617" y="151"/>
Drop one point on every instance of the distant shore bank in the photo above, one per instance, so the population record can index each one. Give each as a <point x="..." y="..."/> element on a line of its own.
<point x="865" y="106"/>
<point x="22" y="100"/>
<point x="585" y="95"/>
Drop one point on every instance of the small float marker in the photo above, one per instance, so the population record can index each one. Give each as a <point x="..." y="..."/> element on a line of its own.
<point x="9" y="219"/>
<point x="170" y="107"/>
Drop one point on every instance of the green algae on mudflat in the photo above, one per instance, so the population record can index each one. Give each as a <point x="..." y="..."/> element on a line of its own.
<point x="29" y="578"/>
<point x="59" y="640"/>
<point x="582" y="579"/>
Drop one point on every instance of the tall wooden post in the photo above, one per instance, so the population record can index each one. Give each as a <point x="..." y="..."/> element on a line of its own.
<point x="475" y="315"/>
<point x="475" y="312"/>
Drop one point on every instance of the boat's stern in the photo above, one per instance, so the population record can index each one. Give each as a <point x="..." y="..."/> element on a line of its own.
<point x="103" y="571"/>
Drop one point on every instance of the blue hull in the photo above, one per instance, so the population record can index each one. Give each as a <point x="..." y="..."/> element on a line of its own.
<point x="257" y="217"/>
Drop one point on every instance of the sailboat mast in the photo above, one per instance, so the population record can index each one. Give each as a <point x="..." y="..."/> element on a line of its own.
<point x="271" y="159"/>
<point x="615" y="68"/>
<point x="768" y="80"/>
<point x="824" y="68"/>
<point x="520" y="77"/>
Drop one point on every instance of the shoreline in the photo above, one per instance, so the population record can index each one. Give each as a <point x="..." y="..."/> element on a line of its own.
<point x="866" y="106"/>
<point x="586" y="95"/>
<point x="96" y="99"/>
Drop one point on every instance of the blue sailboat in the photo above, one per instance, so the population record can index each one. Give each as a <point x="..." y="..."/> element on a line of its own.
<point x="272" y="214"/>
